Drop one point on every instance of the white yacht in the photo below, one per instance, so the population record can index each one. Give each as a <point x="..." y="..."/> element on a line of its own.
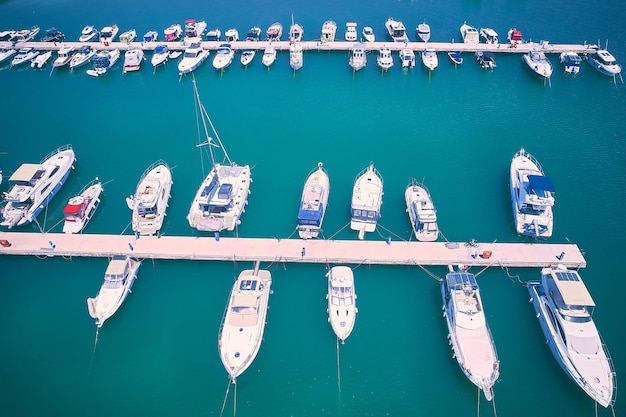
<point x="571" y="62"/>
<point x="194" y="29"/>
<point x="128" y="36"/>
<point x="396" y="30"/>
<point x="422" y="213"/>
<point x="384" y="59"/>
<point x="329" y="30"/>
<point x="160" y="55"/>
<point x="605" y="62"/>
<point x="247" y="55"/>
<point x="232" y="35"/>
<point x="367" y="199"/>
<point x="26" y="35"/>
<point x="118" y="281"/>
<point x="41" y="60"/>
<point x="80" y="208"/>
<point x="274" y="32"/>
<point x="241" y="331"/>
<point x="562" y="304"/>
<point x="532" y="196"/>
<point x="6" y="54"/>
<point x="108" y="34"/>
<point x="351" y="33"/>
<point x="407" y="57"/>
<point x="32" y="186"/>
<point x="423" y="31"/>
<point x="173" y="32"/>
<point x="368" y="34"/>
<point x="104" y="61"/>
<point x="64" y="56"/>
<point x="313" y="203"/>
<point x="469" y="333"/>
<point x="296" y="32"/>
<point x="358" y="56"/>
<point x="341" y="301"/>
<point x="295" y="56"/>
<point x="194" y="57"/>
<point x="222" y="197"/>
<point x="269" y="56"/>
<point x="24" y="56"/>
<point x="214" y="35"/>
<point x="489" y="35"/>
<point x="133" y="59"/>
<point x="149" y="203"/>
<point x="429" y="58"/>
<point x="83" y="55"/>
<point x="88" y="34"/>
<point x="537" y="61"/>
<point x="469" y="33"/>
<point x="7" y="35"/>
<point x="223" y="56"/>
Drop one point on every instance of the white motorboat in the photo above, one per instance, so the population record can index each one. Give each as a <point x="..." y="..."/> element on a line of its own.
<point x="150" y="36"/>
<point x="41" y="60"/>
<point x="274" y="32"/>
<point x="241" y="331"/>
<point x="149" y="203"/>
<point x="455" y="57"/>
<point x="133" y="59"/>
<point x="341" y="301"/>
<point x="194" y="57"/>
<point x="469" y="33"/>
<point x="396" y="30"/>
<point x="64" y="56"/>
<point x="103" y="61"/>
<point x="605" y="62"/>
<point x="194" y="29"/>
<point x="83" y="55"/>
<point x="32" y="186"/>
<point x="128" y="36"/>
<point x="88" y="34"/>
<point x="537" y="61"/>
<point x="254" y="34"/>
<point x="367" y="199"/>
<point x="422" y="213"/>
<point x="407" y="57"/>
<point x="486" y="59"/>
<point x="108" y="34"/>
<point x="269" y="56"/>
<point x="53" y="35"/>
<point x="24" y="56"/>
<point x="468" y="330"/>
<point x="384" y="59"/>
<point x="423" y="31"/>
<point x="368" y="34"/>
<point x="571" y="62"/>
<point x="429" y="58"/>
<point x="118" y="281"/>
<point x="562" y="304"/>
<point x="175" y="54"/>
<point x="514" y="36"/>
<point x="6" y="54"/>
<point x="358" y="56"/>
<point x="232" y="35"/>
<point x="313" y="203"/>
<point x="351" y="33"/>
<point x="7" y="35"/>
<point x="26" y="35"/>
<point x="247" y="55"/>
<point x="214" y="35"/>
<point x="173" y="32"/>
<point x="295" y="32"/>
<point x="222" y="197"/>
<point x="81" y="208"/>
<point x="532" y="196"/>
<point x="160" y="55"/>
<point x="223" y="57"/>
<point x="489" y="35"/>
<point x="296" y="60"/>
<point x="329" y="30"/>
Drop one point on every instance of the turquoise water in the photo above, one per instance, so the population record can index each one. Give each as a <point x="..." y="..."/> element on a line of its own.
<point x="457" y="129"/>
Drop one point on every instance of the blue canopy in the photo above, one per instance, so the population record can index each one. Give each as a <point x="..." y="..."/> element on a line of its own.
<point x="456" y="280"/>
<point x="160" y="49"/>
<point x="310" y="217"/>
<point x="540" y="183"/>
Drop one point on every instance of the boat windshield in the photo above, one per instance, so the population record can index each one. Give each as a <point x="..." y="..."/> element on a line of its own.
<point x="364" y="215"/>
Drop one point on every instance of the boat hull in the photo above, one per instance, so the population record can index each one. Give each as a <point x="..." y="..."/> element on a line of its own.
<point x="313" y="203"/>
<point x="151" y="198"/>
<point x="422" y="213"/>
<point x="341" y="301"/>
<point x="366" y="202"/>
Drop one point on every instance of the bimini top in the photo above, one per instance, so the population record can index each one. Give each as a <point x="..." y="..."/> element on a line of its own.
<point x="25" y="173"/>
<point x="116" y="269"/>
<point x="572" y="288"/>
<point x="540" y="183"/>
<point x="458" y="280"/>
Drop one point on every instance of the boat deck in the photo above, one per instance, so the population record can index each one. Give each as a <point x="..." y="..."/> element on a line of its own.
<point x="292" y="250"/>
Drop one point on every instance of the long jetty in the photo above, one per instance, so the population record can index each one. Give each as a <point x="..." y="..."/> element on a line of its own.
<point x="292" y="250"/>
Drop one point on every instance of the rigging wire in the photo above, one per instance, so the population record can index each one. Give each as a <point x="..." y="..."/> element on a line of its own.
<point x="93" y="353"/>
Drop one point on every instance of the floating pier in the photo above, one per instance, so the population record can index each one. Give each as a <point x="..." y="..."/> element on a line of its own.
<point x="293" y="250"/>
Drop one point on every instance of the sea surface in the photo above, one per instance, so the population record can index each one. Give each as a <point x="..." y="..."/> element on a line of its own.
<point x="456" y="128"/>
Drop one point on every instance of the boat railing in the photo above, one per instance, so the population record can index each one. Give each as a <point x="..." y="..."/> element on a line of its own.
<point x="61" y="149"/>
<point x="532" y="159"/>
<point x="611" y="367"/>
<point x="152" y="166"/>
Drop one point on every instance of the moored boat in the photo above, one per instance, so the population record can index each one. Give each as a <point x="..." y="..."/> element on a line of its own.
<point x="26" y="35"/>
<point x="384" y="59"/>
<point x="368" y="34"/>
<point x="64" y="56"/>
<point x="351" y="33"/>
<point x="41" y="60"/>
<point x="149" y="203"/>
<point x="295" y="56"/>
<point x="429" y="58"/>
<point x="562" y="304"/>
<point x="295" y="31"/>
<point x="486" y="59"/>
<point x="605" y="62"/>
<point x="396" y="30"/>
<point x="469" y="33"/>
<point x="269" y="56"/>
<point x="329" y="30"/>
<point x="341" y="301"/>
<point x="173" y="32"/>
<point x="24" y="56"/>
<point x="194" y="29"/>
<point x="407" y="57"/>
<point x="223" y="56"/>
<point x="358" y="56"/>
<point x="194" y="57"/>
<point x="133" y="59"/>
<point x="53" y="35"/>
<point x="88" y="34"/>
<point x="118" y="281"/>
<point x="247" y="55"/>
<point x="160" y="55"/>
<point x="6" y="54"/>
<point x="128" y="36"/>
<point x="274" y="32"/>
<point x="232" y="35"/>
<point x="422" y="213"/>
<point x="489" y="35"/>
<point x="81" y="208"/>
<point x="103" y="61"/>
<point x="214" y="35"/>
<point x="423" y="31"/>
<point x="83" y="55"/>
<point x="254" y="34"/>
<point x="108" y="34"/>
<point x="456" y="57"/>
<point x="150" y="36"/>
<point x="571" y="62"/>
<point x="514" y="36"/>
<point x="367" y="199"/>
<point x="537" y="61"/>
<point x="313" y="203"/>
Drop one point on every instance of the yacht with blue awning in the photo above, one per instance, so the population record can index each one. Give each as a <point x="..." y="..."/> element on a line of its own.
<point x="532" y="196"/>
<point x="313" y="203"/>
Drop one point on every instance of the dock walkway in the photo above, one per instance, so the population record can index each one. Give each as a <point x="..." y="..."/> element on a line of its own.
<point x="292" y="250"/>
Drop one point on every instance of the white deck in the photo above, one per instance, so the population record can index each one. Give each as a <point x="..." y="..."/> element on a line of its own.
<point x="291" y="250"/>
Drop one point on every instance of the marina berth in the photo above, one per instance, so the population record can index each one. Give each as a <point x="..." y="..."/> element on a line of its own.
<point x="429" y="59"/>
<point x="133" y="59"/>
<point x="80" y="208"/>
<point x="329" y="30"/>
<point x="108" y="34"/>
<point x="150" y="36"/>
<point x="313" y="203"/>
<point x="83" y="55"/>
<point x="341" y="301"/>
<point x="537" y="61"/>
<point x="384" y="59"/>
<point x="351" y="33"/>
<point x="295" y="56"/>
<point x="407" y="58"/>
<point x="103" y="61"/>
<point x="422" y="213"/>
<point x="468" y="330"/>
<point x="358" y="57"/>
<point x="563" y="306"/>
<point x="570" y="61"/>
<point x="194" y="56"/>
<point x="469" y="33"/>
<point x="64" y="56"/>
<point x="194" y="29"/>
<point x="88" y="34"/>
<point x="368" y="34"/>
<point x="173" y="32"/>
<point x="160" y="55"/>
<point x="367" y="199"/>
<point x="232" y="35"/>
<point x="489" y="35"/>
<point x="269" y="56"/>
<point x="223" y="57"/>
<point x="150" y="201"/>
<point x="128" y="36"/>
<point x="396" y="30"/>
<point x="118" y="281"/>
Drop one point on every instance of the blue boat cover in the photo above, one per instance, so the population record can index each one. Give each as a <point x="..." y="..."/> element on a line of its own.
<point x="310" y="217"/>
<point x="160" y="49"/>
<point x="540" y="183"/>
<point x="456" y="280"/>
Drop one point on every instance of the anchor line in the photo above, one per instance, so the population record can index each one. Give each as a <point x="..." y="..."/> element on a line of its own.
<point x="235" y="398"/>
<point x="478" y="404"/>
<point x="338" y="368"/>
<point x="339" y="231"/>
<point x="225" y="397"/>
<point x="93" y="352"/>
<point x="493" y="400"/>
